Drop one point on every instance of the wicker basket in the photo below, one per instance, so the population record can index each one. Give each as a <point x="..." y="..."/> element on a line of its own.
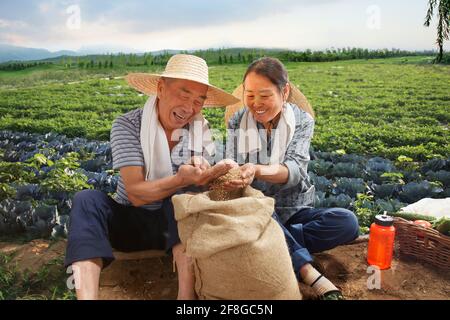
<point x="425" y="244"/>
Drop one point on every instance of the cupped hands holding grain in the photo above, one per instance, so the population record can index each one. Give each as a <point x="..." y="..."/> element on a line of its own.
<point x="231" y="185"/>
<point x="246" y="177"/>
<point x="199" y="172"/>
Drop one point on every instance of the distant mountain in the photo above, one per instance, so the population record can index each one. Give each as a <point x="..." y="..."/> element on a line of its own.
<point x="104" y="49"/>
<point x="169" y="51"/>
<point x="14" y="53"/>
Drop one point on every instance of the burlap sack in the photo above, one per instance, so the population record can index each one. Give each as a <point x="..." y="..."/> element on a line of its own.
<point x="239" y="251"/>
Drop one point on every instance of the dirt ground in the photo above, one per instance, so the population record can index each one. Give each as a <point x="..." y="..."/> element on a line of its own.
<point x="345" y="266"/>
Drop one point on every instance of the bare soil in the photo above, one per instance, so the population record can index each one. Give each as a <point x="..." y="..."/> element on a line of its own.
<point x="154" y="278"/>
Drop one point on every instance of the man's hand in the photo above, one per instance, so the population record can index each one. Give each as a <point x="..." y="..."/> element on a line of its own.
<point x="188" y="174"/>
<point x="219" y="169"/>
<point x="248" y="172"/>
<point x="201" y="174"/>
<point x="199" y="162"/>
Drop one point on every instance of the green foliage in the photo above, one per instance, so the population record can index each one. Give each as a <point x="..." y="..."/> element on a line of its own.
<point x="393" y="177"/>
<point x="407" y="163"/>
<point x="17" y="66"/>
<point x="17" y="172"/>
<point x="39" y="160"/>
<point x="442" y="8"/>
<point x="402" y="159"/>
<point x="363" y="208"/>
<point x="446" y="58"/>
<point x="48" y="283"/>
<point x="377" y="107"/>
<point x="64" y="177"/>
<point x="395" y="108"/>
<point x="442" y="225"/>
<point x="62" y="174"/>
<point x="412" y="216"/>
<point x="6" y="191"/>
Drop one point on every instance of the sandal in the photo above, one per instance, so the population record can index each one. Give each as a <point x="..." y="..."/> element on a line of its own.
<point x="330" y="295"/>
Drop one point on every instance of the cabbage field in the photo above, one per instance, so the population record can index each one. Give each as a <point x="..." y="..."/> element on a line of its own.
<point x="381" y="138"/>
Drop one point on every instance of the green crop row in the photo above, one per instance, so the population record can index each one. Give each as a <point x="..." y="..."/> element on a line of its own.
<point x="378" y="107"/>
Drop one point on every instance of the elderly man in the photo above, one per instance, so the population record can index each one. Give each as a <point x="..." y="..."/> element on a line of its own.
<point x="155" y="161"/>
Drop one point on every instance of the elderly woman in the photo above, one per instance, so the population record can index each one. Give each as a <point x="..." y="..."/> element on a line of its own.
<point x="272" y="135"/>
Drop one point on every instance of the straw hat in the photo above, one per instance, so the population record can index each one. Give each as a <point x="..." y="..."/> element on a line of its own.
<point x="187" y="67"/>
<point x="296" y="97"/>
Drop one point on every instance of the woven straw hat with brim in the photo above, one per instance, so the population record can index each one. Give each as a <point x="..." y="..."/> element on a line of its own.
<point x="185" y="67"/>
<point x="296" y="97"/>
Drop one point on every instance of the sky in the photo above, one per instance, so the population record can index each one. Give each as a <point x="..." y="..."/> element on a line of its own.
<point x="135" y="25"/>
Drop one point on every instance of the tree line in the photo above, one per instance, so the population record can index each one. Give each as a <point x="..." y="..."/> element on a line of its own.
<point x="235" y="56"/>
<point x="18" y="66"/>
<point x="218" y="57"/>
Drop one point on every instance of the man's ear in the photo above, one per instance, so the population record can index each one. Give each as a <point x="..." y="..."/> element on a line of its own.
<point x="160" y="88"/>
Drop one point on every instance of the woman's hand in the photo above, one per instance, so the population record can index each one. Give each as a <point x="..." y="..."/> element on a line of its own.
<point x="248" y="172"/>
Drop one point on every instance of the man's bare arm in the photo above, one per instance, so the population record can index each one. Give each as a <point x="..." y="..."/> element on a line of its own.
<point x="141" y="192"/>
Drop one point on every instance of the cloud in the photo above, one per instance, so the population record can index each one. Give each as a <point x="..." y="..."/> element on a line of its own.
<point x="44" y="7"/>
<point x="13" y="39"/>
<point x="181" y="24"/>
<point x="142" y="17"/>
<point x="116" y="21"/>
<point x="15" y="24"/>
<point x="145" y="16"/>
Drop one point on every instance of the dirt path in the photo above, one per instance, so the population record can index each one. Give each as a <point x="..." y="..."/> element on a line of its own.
<point x="154" y="279"/>
<point x="405" y="280"/>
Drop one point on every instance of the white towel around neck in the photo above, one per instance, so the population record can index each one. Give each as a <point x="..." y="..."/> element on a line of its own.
<point x="155" y="147"/>
<point x="249" y="140"/>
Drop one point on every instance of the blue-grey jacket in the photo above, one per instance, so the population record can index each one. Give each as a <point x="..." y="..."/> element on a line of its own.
<point x="298" y="192"/>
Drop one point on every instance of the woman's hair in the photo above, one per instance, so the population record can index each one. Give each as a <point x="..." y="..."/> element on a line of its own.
<point x="272" y="69"/>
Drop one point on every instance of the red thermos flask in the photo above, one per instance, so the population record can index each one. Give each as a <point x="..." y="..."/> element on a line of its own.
<point x="381" y="242"/>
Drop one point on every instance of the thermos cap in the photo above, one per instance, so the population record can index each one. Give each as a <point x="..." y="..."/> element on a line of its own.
<point x="384" y="220"/>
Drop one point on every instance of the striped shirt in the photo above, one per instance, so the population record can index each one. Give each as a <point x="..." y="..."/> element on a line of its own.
<point x="297" y="192"/>
<point x="127" y="151"/>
